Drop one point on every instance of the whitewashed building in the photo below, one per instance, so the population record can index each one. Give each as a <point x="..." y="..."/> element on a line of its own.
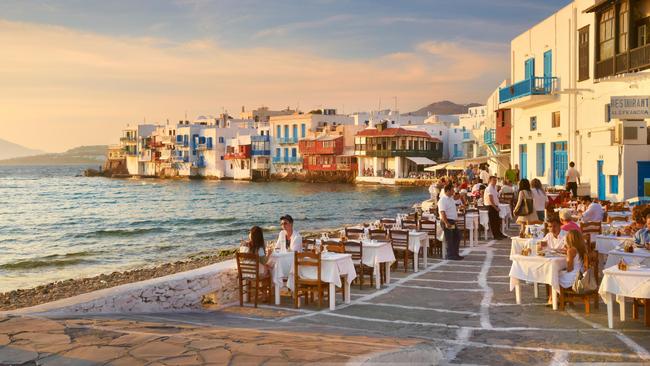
<point x="580" y="92"/>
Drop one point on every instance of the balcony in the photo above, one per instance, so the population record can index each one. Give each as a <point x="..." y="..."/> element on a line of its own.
<point x="128" y="140"/>
<point x="528" y="93"/>
<point x="431" y="154"/>
<point x="287" y="140"/>
<point x="236" y="155"/>
<point x="264" y="138"/>
<point x="467" y="136"/>
<point x="635" y="60"/>
<point x="260" y="152"/>
<point x="287" y="160"/>
<point x="490" y="136"/>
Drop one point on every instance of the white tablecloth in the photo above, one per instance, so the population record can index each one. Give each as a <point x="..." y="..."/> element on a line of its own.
<point x="417" y="240"/>
<point x="635" y="282"/>
<point x="619" y="214"/>
<point x="640" y="256"/>
<point x="333" y="266"/>
<point x="504" y="211"/>
<point x="614" y="224"/>
<point x="537" y="270"/>
<point x="520" y="243"/>
<point x="605" y="243"/>
<point x="472" y="221"/>
<point x="377" y="252"/>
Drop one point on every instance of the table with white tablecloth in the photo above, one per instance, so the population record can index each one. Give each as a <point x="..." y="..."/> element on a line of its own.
<point x="536" y="269"/>
<point x="625" y="214"/>
<point x="333" y="267"/>
<point x="605" y="243"/>
<point x="505" y="213"/>
<point x="517" y="244"/>
<point x="376" y="252"/>
<point x="639" y="256"/>
<point x="634" y="283"/>
<point x="472" y="224"/>
<point x="614" y="225"/>
<point x="418" y="240"/>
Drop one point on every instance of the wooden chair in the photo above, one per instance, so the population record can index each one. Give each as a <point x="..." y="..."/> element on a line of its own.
<point x="353" y="232"/>
<point x="306" y="286"/>
<point x="615" y="218"/>
<point x="399" y="240"/>
<point x="409" y="224"/>
<point x="431" y="228"/>
<point x="388" y="222"/>
<point x="534" y="222"/>
<point x="645" y="304"/>
<point x="589" y="230"/>
<point x="378" y="234"/>
<point x="568" y="295"/>
<point x="309" y="245"/>
<point x="334" y="246"/>
<point x="461" y="225"/>
<point x="355" y="249"/>
<point x="248" y="270"/>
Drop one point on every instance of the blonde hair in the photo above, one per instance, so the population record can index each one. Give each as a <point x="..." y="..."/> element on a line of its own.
<point x="565" y="214"/>
<point x="574" y="240"/>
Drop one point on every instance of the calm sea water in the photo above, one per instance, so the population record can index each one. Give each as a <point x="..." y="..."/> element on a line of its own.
<point x="56" y="225"/>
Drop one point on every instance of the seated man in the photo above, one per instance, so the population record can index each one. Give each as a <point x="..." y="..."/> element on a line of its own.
<point x="567" y="221"/>
<point x="288" y="235"/>
<point x="594" y="212"/>
<point x="642" y="237"/>
<point x="555" y="237"/>
<point x="506" y="188"/>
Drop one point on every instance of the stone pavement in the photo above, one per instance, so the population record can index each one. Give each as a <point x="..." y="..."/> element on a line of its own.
<point x="450" y="313"/>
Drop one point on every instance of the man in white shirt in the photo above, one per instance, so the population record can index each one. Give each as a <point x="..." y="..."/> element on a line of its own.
<point x="491" y="200"/>
<point x="555" y="239"/>
<point x="484" y="175"/>
<point x="594" y="213"/>
<point x="288" y="235"/>
<point x="572" y="179"/>
<point x="448" y="217"/>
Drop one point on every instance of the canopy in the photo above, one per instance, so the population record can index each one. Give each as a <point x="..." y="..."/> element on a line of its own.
<point x="422" y="161"/>
<point x="447" y="166"/>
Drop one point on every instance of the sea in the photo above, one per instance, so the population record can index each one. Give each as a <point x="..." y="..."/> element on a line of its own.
<point x="56" y="224"/>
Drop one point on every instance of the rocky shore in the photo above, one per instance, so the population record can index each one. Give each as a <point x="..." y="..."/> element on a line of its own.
<point x="53" y="291"/>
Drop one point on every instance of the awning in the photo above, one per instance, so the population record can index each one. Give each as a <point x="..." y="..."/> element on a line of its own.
<point x="447" y="166"/>
<point x="422" y="161"/>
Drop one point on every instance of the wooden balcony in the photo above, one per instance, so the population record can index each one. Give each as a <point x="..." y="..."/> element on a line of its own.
<point x="632" y="61"/>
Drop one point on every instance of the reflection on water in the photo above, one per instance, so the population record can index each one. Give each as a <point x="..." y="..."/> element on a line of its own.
<point x="54" y="225"/>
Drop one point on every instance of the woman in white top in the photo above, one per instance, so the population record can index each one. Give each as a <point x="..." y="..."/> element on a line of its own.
<point x="525" y="195"/>
<point x="575" y="251"/>
<point x="255" y="244"/>
<point x="539" y="198"/>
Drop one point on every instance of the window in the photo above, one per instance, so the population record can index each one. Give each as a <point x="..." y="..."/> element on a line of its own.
<point x="555" y="119"/>
<point x="623" y="26"/>
<point x="295" y="132"/>
<point x="583" y="53"/>
<point x="440" y="133"/>
<point x="613" y="184"/>
<point x="286" y="131"/>
<point x="606" y="34"/>
<point x="533" y="123"/>
<point x="608" y="112"/>
<point x="221" y="140"/>
<point x="303" y="130"/>
<point x="279" y="129"/>
<point x="642" y="35"/>
<point x="529" y="69"/>
<point x="393" y="145"/>
<point x="541" y="159"/>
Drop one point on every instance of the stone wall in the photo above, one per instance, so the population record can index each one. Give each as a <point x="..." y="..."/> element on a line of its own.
<point x="182" y="291"/>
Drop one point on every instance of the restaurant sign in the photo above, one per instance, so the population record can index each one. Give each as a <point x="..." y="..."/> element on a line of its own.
<point x="630" y="107"/>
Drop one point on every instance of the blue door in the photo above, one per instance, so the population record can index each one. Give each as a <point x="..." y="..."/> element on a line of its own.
<point x="560" y="163"/>
<point x="295" y="132"/>
<point x="523" y="161"/>
<point x="548" y="70"/>
<point x="529" y="69"/>
<point x="601" y="180"/>
<point x="643" y="174"/>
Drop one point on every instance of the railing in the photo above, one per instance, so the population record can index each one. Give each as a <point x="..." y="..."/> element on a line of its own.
<point x="287" y="140"/>
<point x="634" y="60"/>
<point x="532" y="86"/>
<point x="260" y="152"/>
<point x="257" y="138"/>
<point x="640" y="57"/>
<point x="287" y="160"/>
<point x="404" y="153"/>
<point x="128" y="139"/>
<point x="489" y="136"/>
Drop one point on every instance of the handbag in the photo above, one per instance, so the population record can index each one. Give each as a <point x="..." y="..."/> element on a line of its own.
<point x="525" y="209"/>
<point x="585" y="282"/>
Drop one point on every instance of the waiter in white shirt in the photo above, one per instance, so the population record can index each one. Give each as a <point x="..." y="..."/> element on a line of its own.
<point x="491" y="200"/>
<point x="594" y="213"/>
<point x="448" y="217"/>
<point x="572" y="179"/>
<point x="484" y="175"/>
<point x="288" y="235"/>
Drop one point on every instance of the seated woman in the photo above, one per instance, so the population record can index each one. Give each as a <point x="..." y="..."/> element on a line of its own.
<point x="255" y="244"/>
<point x="567" y="221"/>
<point x="575" y="251"/>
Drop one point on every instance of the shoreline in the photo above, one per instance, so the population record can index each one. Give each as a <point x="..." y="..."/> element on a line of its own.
<point x="57" y="290"/>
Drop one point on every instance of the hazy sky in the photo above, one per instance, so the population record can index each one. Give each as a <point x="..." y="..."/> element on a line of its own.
<point x="75" y="72"/>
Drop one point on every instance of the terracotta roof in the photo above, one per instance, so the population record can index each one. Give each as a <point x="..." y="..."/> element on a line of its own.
<point x="394" y="132"/>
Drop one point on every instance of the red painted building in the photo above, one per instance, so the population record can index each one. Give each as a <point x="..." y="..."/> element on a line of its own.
<point x="503" y="126"/>
<point x="237" y="152"/>
<point x="326" y="153"/>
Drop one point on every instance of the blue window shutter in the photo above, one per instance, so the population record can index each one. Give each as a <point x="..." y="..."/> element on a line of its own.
<point x="529" y="68"/>
<point x="279" y="130"/>
<point x="613" y="184"/>
<point x="295" y="131"/>
<point x="303" y="130"/>
<point x="294" y="152"/>
<point x="548" y="64"/>
<point x="277" y="152"/>
<point x="541" y="159"/>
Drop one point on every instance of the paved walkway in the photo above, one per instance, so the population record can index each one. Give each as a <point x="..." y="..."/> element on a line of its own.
<point x="451" y="312"/>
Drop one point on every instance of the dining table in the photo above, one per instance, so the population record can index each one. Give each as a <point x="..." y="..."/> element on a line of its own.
<point x="617" y="284"/>
<point x="374" y="254"/>
<point x="334" y="267"/>
<point x="639" y="256"/>
<point x="605" y="243"/>
<point x="518" y="243"/>
<point x="537" y="269"/>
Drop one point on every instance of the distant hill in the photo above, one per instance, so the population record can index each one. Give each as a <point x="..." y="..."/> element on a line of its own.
<point x="444" y="107"/>
<point x="79" y="155"/>
<point x="10" y="150"/>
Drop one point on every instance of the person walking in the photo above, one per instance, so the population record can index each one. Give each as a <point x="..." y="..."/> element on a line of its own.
<point x="572" y="179"/>
<point x="540" y="199"/>
<point x="491" y="200"/>
<point x="524" y="209"/>
<point x="448" y="216"/>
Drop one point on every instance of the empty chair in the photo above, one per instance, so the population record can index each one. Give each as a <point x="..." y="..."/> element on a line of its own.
<point x="431" y="227"/>
<point x="461" y="225"/>
<point x="408" y="224"/>
<point x="355" y="249"/>
<point x="309" y="245"/>
<point x="378" y="234"/>
<point x="353" y="232"/>
<point x="399" y="240"/>
<point x="334" y="246"/>
<point x="307" y="286"/>
<point x="388" y="222"/>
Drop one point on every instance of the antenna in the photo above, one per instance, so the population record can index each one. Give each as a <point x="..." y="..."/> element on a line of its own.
<point x="395" y="103"/>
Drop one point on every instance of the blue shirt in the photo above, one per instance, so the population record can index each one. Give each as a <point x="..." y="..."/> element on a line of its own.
<point x="470" y="174"/>
<point x="642" y="236"/>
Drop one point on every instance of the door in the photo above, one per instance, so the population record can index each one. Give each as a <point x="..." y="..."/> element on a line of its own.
<point x="523" y="161"/>
<point x="560" y="163"/>
<point x="548" y="70"/>
<point x="643" y="174"/>
<point x="529" y="69"/>
<point x="601" y="180"/>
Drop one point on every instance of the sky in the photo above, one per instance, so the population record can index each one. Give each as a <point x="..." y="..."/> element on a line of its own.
<point x="76" y="72"/>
